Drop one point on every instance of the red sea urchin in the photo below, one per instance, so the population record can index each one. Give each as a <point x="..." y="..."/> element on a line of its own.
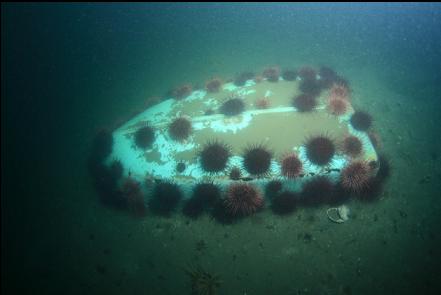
<point x="257" y="160"/>
<point x="291" y="166"/>
<point x="337" y="106"/>
<point x="361" y="121"/>
<point x="355" y="177"/>
<point x="304" y="102"/>
<point x="243" y="199"/>
<point x="352" y="146"/>
<point x="262" y="103"/>
<point x="339" y="91"/>
<point x="131" y="190"/>
<point x="214" y="156"/>
<point x="180" y="129"/>
<point x="213" y="85"/>
<point x="320" y="149"/>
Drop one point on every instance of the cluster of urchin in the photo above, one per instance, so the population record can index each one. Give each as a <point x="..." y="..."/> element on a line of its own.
<point x="243" y="198"/>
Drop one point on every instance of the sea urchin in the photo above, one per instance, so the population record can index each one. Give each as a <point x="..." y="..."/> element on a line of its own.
<point x="180" y="129"/>
<point x="304" y="102"/>
<point x="284" y="203"/>
<point x="232" y="107"/>
<point x="317" y="191"/>
<point x="235" y="173"/>
<point x="361" y="121"/>
<point x="182" y="91"/>
<point x="291" y="166"/>
<point x="312" y="87"/>
<point x="213" y="85"/>
<point x="243" y="199"/>
<point x="289" y="75"/>
<point x="242" y="78"/>
<point x="320" y="149"/>
<point x="271" y="74"/>
<point x="165" y="198"/>
<point x="257" y="160"/>
<point x="339" y="91"/>
<point x="307" y="73"/>
<point x="144" y="137"/>
<point x="355" y="177"/>
<point x="262" y="103"/>
<point x="337" y="106"/>
<point x="214" y="156"/>
<point x="352" y="146"/>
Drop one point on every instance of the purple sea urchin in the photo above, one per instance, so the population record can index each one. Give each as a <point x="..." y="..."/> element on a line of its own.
<point x="361" y="121"/>
<point x="257" y="160"/>
<point x="180" y="129"/>
<point x="214" y="156"/>
<point x="232" y="107"/>
<point x="304" y="102"/>
<point x="144" y="137"/>
<point x="320" y="149"/>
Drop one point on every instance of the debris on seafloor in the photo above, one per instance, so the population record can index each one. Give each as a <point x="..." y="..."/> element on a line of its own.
<point x="338" y="214"/>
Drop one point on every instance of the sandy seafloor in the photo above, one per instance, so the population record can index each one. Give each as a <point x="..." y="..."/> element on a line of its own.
<point x="58" y="238"/>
